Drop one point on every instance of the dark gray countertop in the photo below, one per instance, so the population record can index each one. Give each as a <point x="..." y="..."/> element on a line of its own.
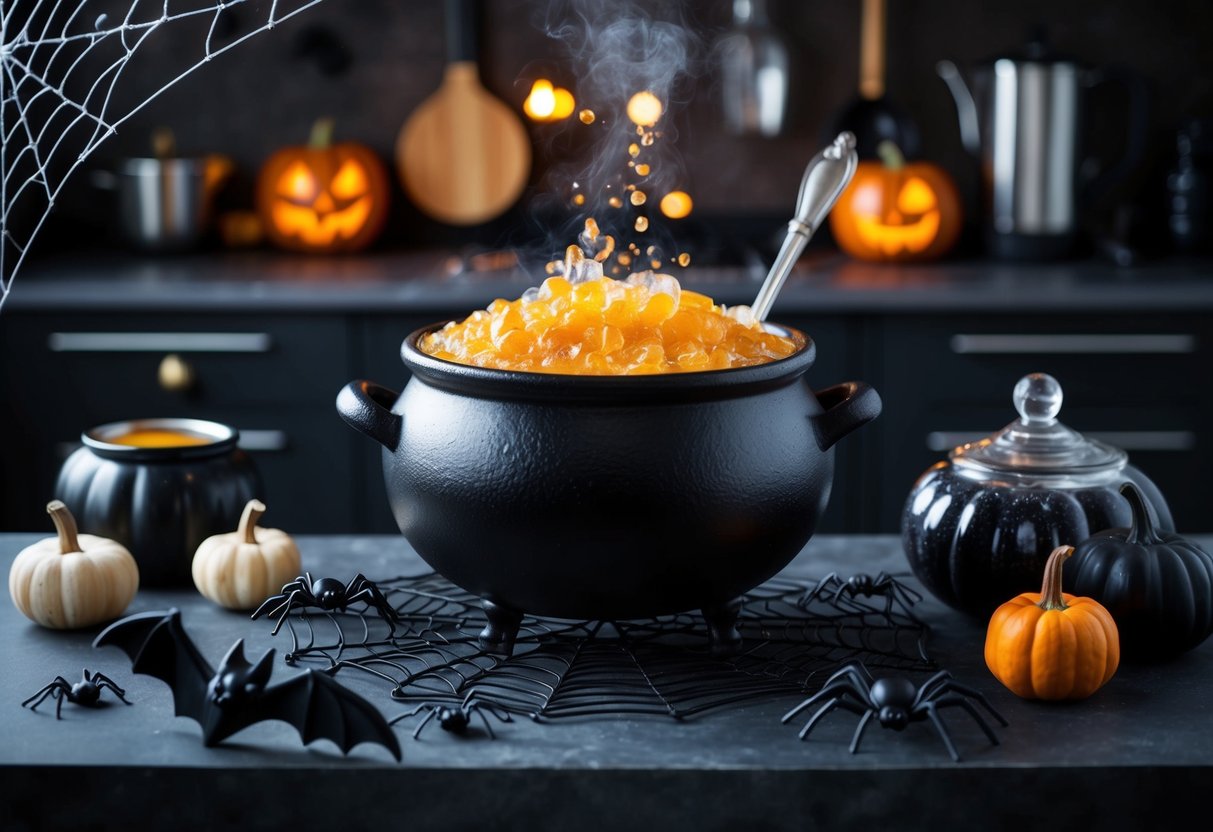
<point x="1140" y="748"/>
<point x="421" y="282"/>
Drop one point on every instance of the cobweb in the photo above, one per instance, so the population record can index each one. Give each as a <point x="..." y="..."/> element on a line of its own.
<point x="793" y="633"/>
<point x="66" y="86"/>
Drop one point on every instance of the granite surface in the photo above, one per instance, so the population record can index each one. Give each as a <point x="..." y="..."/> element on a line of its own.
<point x="439" y="281"/>
<point x="1141" y="746"/>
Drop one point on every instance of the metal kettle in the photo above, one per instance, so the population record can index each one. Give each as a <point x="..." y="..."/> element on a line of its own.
<point x="1025" y="117"/>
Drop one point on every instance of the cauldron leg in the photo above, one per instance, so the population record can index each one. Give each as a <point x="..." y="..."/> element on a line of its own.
<point x="723" y="636"/>
<point x="499" y="634"/>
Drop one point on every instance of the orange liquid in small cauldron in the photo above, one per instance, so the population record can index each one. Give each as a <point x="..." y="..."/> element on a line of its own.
<point x="160" y="438"/>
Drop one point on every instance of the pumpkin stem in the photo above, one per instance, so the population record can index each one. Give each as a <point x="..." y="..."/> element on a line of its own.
<point x="890" y="155"/>
<point x="65" y="524"/>
<point x="322" y="134"/>
<point x="248" y="520"/>
<point x="1142" y="531"/>
<point x="1050" y="590"/>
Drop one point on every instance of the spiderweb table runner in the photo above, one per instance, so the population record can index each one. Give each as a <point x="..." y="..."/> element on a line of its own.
<point x="795" y="633"/>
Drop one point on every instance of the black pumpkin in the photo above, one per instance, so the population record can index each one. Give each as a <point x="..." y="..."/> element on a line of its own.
<point x="1157" y="585"/>
<point x="159" y="503"/>
<point x="975" y="544"/>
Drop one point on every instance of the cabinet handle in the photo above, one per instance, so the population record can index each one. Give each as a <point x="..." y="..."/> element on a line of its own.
<point x="160" y="342"/>
<point x="1128" y="440"/>
<point x="1074" y="344"/>
<point x="263" y="440"/>
<point x="176" y="375"/>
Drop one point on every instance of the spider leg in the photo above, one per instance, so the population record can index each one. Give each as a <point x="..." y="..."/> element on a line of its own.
<point x="968" y="706"/>
<point x="103" y="681"/>
<point x="812" y="594"/>
<point x="931" y="687"/>
<point x="45" y="692"/>
<point x="836" y="702"/>
<point x="858" y="671"/>
<point x="433" y="713"/>
<point x="63" y="693"/>
<point x="843" y="686"/>
<point x="372" y="597"/>
<point x="485" y="720"/>
<point x="929" y="707"/>
<point x="863" y="724"/>
<point x="414" y="712"/>
<point x="286" y="610"/>
<point x="965" y="690"/>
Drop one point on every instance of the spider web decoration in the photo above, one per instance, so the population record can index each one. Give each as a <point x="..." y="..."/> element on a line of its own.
<point x="563" y="669"/>
<point x="62" y="64"/>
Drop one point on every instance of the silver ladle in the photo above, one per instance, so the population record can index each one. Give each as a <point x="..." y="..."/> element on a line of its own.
<point x="825" y="178"/>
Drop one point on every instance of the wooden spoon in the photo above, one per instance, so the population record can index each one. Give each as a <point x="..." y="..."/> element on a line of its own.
<point x="463" y="155"/>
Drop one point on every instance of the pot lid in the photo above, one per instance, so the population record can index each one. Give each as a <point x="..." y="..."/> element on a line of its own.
<point x="1037" y="443"/>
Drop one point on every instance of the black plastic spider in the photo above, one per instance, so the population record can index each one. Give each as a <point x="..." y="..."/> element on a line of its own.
<point x="863" y="584"/>
<point x="457" y="719"/>
<point x="86" y="692"/>
<point x="895" y="702"/>
<point x="327" y="594"/>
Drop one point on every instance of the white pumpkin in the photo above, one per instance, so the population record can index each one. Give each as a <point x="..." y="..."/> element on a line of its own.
<point x="72" y="580"/>
<point x="240" y="569"/>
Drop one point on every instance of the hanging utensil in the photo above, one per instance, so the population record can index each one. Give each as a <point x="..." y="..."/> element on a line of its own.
<point x="825" y="178"/>
<point x="464" y="155"/>
<point x="872" y="116"/>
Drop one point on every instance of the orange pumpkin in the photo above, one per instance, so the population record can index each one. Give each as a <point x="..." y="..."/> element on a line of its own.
<point x="1052" y="645"/>
<point x="323" y="198"/>
<point x="897" y="211"/>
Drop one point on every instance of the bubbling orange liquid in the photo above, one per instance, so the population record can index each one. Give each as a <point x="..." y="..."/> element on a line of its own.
<point x="601" y="326"/>
<point x="160" y="438"/>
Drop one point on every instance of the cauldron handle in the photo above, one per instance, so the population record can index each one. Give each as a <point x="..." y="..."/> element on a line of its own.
<point x="366" y="406"/>
<point x="844" y="407"/>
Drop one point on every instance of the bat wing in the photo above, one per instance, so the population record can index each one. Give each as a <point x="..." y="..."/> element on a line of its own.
<point x="321" y="708"/>
<point x="158" y="646"/>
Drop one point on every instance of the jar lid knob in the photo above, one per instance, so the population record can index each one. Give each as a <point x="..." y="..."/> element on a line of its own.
<point x="1038" y="398"/>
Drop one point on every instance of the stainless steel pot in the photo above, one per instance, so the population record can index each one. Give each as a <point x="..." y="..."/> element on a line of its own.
<point x="163" y="204"/>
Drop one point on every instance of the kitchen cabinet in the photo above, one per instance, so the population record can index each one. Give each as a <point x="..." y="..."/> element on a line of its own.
<point x="81" y="344"/>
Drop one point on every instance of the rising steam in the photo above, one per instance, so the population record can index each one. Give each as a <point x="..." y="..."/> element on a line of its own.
<point x="618" y="48"/>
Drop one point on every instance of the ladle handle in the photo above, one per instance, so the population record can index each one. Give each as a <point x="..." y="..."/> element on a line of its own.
<point x="825" y="178"/>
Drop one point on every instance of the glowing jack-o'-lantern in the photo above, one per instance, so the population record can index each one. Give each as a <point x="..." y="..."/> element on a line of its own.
<point x="897" y="211"/>
<point x="324" y="197"/>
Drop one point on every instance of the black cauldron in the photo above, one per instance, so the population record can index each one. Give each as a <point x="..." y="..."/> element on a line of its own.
<point x="607" y="497"/>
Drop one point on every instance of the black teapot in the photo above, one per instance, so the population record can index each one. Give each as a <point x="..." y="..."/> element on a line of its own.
<point x="978" y="527"/>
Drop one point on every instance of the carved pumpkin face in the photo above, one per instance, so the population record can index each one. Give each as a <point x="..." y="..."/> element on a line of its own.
<point x="323" y="198"/>
<point x="897" y="211"/>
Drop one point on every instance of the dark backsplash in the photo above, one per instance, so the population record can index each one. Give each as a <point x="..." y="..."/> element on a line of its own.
<point x="265" y="94"/>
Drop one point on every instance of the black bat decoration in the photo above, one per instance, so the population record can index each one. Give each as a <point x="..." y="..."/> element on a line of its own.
<point x="237" y="695"/>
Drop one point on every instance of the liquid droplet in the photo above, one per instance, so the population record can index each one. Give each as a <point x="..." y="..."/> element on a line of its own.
<point x="638" y="197"/>
<point x="586" y="116"/>
<point x="579" y="199"/>
<point x="644" y="108"/>
<point x="642" y="169"/>
<point x="684" y="259"/>
<point x="647" y="140"/>
<point x="642" y="224"/>
<point x="633" y="150"/>
<point x="615" y="202"/>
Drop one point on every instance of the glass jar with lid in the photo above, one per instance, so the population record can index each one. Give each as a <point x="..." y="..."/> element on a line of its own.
<point x="978" y="527"/>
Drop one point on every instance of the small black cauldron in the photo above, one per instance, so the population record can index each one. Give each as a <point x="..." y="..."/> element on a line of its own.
<point x="159" y="503"/>
<point x="607" y="497"/>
